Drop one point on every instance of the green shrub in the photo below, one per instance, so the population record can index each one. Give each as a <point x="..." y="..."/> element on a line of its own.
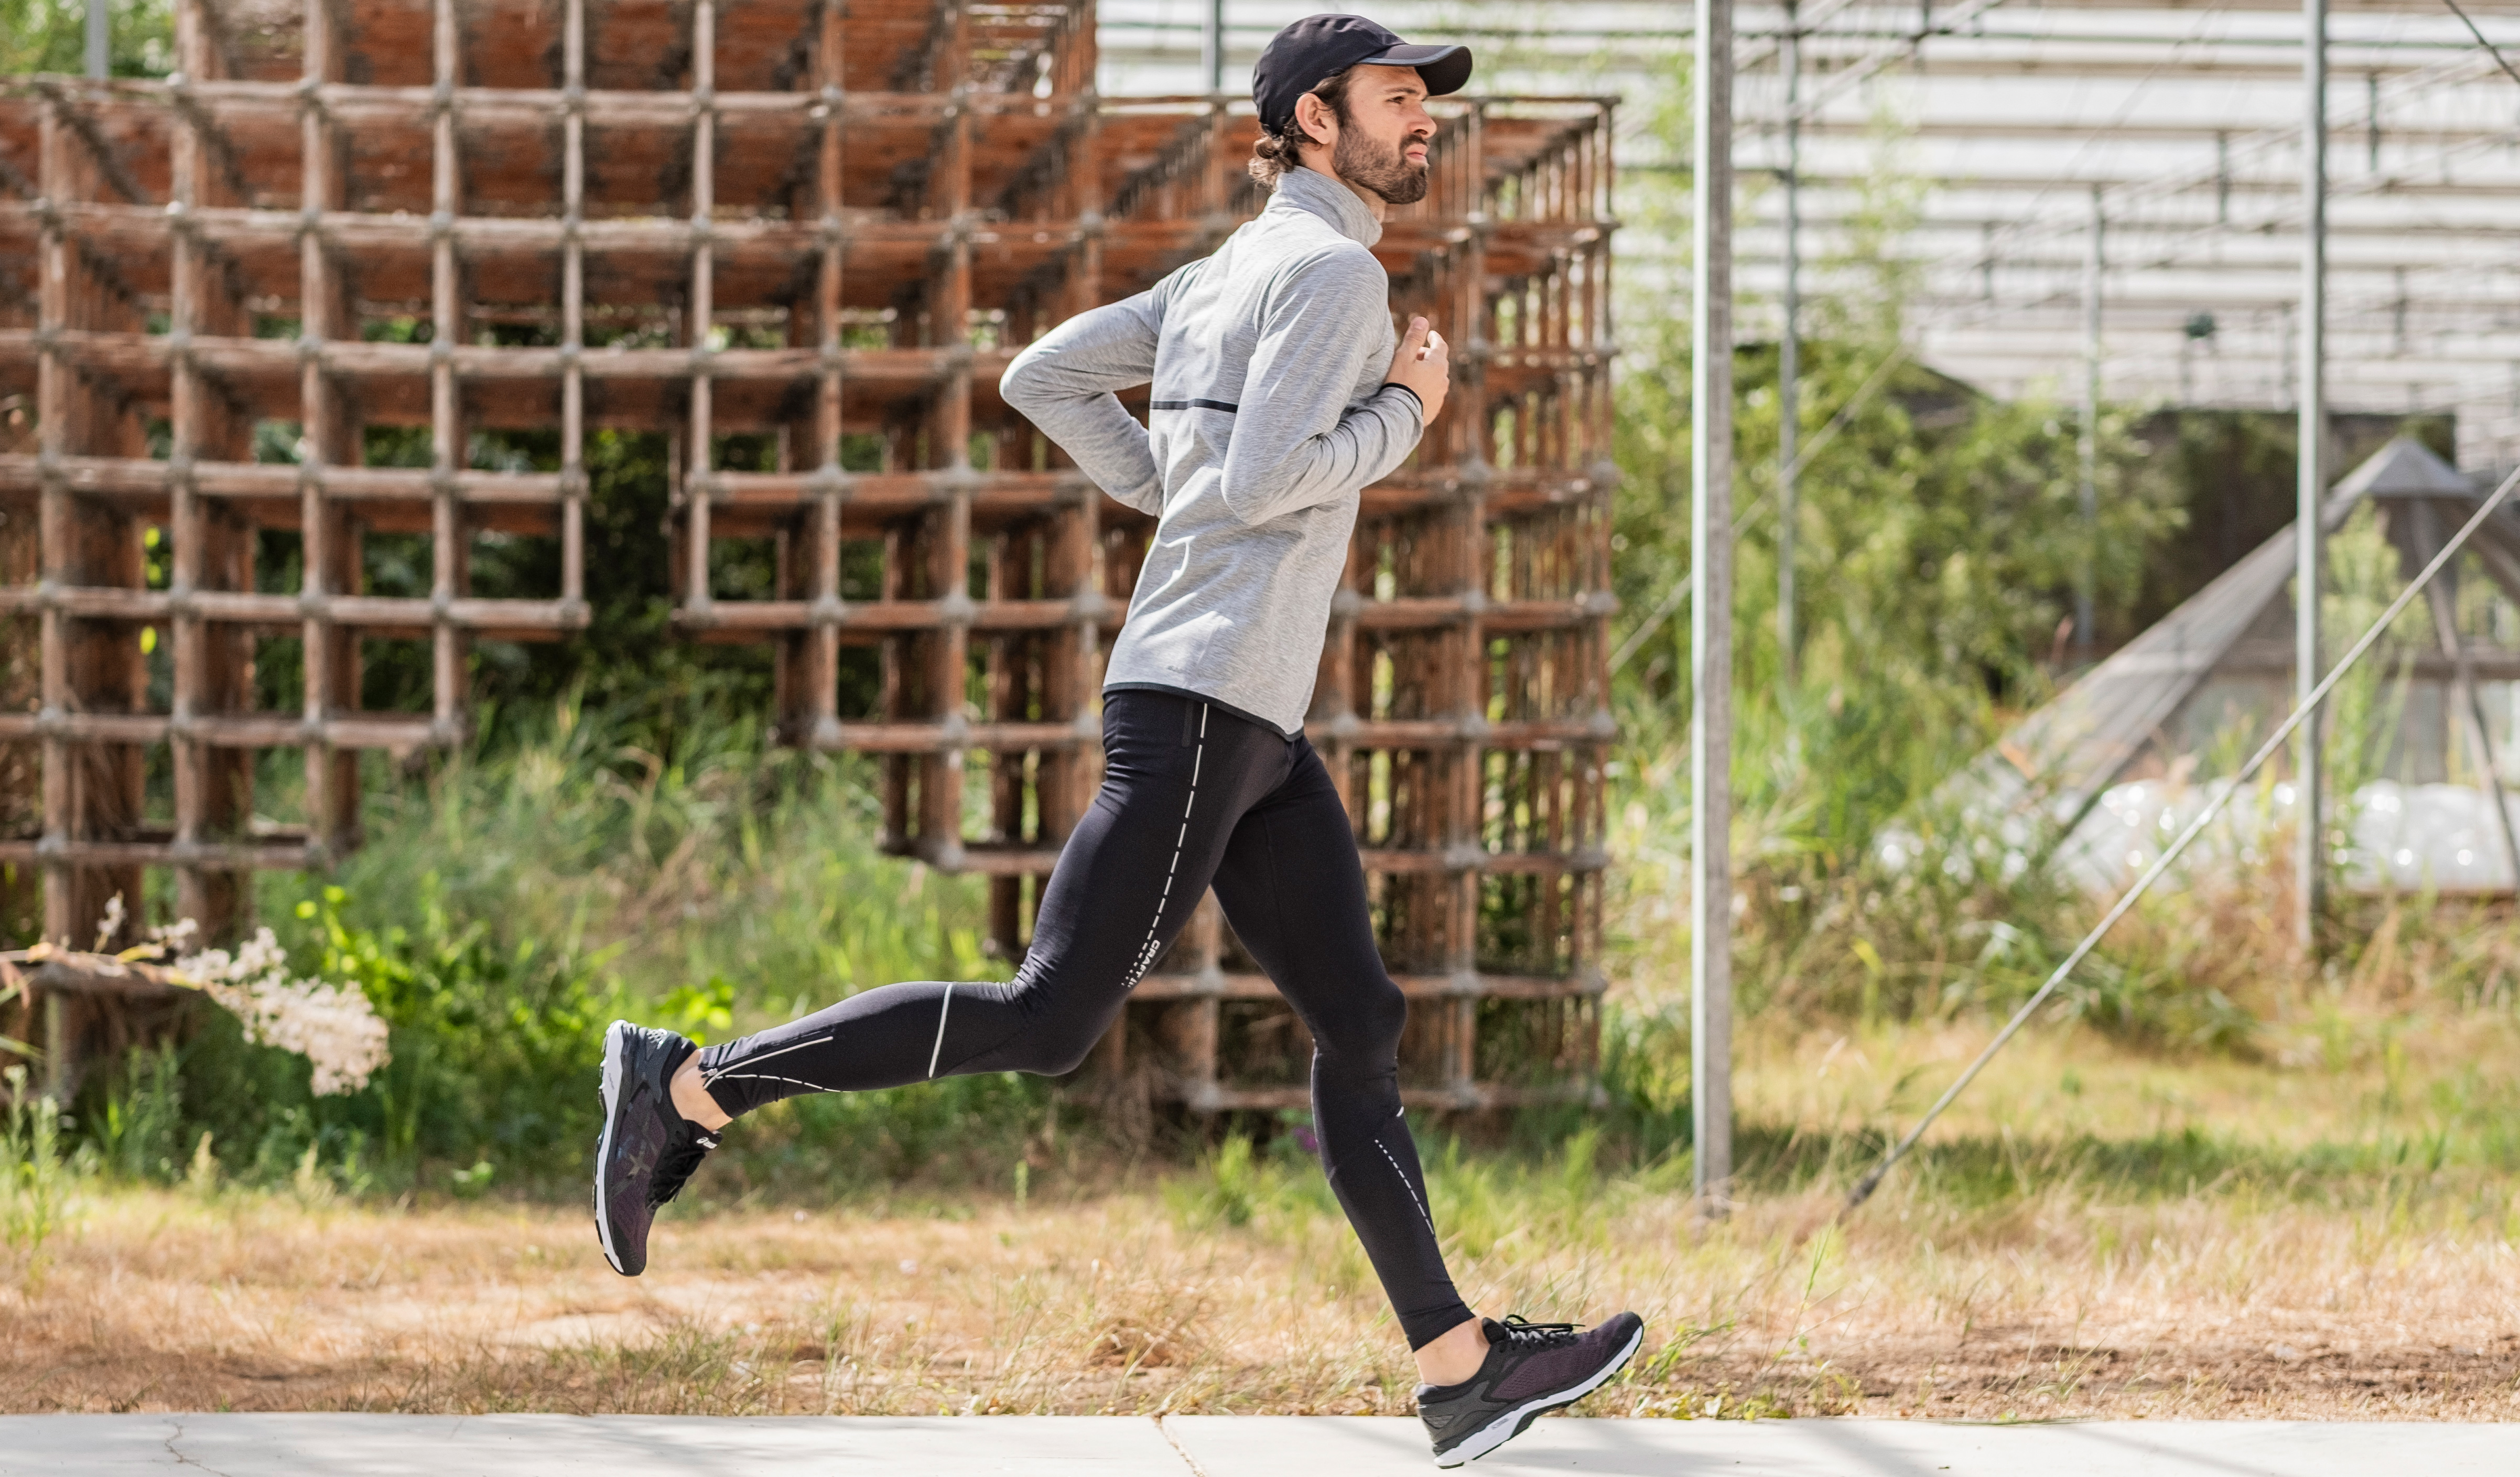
<point x="496" y="1044"/>
<point x="510" y="904"/>
<point x="139" y="1125"/>
<point x="494" y="1057"/>
<point x="35" y="1179"/>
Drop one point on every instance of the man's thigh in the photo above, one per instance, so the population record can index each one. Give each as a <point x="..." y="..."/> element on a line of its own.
<point x="1293" y="888"/>
<point x="1137" y="863"/>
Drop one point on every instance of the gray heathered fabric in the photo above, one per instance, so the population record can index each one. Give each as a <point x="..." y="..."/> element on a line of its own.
<point x="1288" y="327"/>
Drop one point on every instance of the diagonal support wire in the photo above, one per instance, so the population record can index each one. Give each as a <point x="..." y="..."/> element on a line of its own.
<point x="1873" y="1177"/>
<point x="2490" y="49"/>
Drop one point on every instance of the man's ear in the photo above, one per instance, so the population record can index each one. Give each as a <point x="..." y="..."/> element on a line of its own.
<point x="1314" y="118"/>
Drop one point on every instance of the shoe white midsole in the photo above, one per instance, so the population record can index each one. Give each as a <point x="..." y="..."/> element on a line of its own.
<point x="614" y="1043"/>
<point x="1506" y="1427"/>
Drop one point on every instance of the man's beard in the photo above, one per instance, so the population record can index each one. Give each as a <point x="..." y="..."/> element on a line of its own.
<point x="1387" y="172"/>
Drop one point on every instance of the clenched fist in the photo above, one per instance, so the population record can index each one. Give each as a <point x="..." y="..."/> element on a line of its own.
<point x="1421" y="365"/>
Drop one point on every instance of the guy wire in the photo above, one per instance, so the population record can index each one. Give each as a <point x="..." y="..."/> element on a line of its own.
<point x="2490" y="49"/>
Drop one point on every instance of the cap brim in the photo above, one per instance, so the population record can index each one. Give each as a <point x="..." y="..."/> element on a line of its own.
<point x="1443" y="68"/>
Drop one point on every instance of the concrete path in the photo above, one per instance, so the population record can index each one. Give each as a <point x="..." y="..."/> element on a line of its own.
<point x="1218" y="1445"/>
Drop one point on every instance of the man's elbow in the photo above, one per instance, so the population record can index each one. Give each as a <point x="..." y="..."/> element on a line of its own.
<point x="1022" y="385"/>
<point x="1239" y="502"/>
<point x="1250" y="507"/>
<point x="1147" y="497"/>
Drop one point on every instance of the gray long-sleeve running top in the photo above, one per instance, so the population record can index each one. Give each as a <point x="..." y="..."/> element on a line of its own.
<point x="1269" y="413"/>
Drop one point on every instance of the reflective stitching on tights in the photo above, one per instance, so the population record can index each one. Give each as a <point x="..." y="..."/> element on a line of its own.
<point x="1146" y="953"/>
<point x="708" y="1077"/>
<point x="943" y="1006"/>
<point x="770" y="1077"/>
<point x="1411" y="1189"/>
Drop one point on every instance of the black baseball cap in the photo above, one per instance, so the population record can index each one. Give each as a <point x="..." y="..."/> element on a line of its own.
<point x="1321" y="46"/>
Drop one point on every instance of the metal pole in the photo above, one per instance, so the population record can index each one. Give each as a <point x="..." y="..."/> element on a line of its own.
<point x="2309" y="854"/>
<point x="2371" y="121"/>
<point x="99" y="39"/>
<point x="2088" y="444"/>
<point x="1710" y="615"/>
<point x="2222" y="179"/>
<point x="2291" y="368"/>
<point x="1212" y="47"/>
<point x="1790" y="347"/>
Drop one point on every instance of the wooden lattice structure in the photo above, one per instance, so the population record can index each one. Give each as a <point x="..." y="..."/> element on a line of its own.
<point x="804" y="240"/>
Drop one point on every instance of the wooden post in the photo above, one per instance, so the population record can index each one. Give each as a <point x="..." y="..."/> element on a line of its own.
<point x="572" y="308"/>
<point x="1455" y="438"/>
<point x="940" y="786"/>
<point x="823" y="666"/>
<point x="52" y="421"/>
<point x="700" y="488"/>
<point x="331" y="537"/>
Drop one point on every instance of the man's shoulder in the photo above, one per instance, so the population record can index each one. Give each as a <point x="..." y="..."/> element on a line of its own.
<point x="1171" y="284"/>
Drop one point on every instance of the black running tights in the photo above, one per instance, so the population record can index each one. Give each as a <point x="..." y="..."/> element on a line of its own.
<point x="1192" y="796"/>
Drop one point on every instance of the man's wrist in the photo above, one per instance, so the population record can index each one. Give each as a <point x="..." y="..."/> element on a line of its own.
<point x="1415" y="397"/>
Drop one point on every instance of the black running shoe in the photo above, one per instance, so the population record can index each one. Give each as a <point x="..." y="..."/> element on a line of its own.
<point x="649" y="1149"/>
<point x="1531" y="1368"/>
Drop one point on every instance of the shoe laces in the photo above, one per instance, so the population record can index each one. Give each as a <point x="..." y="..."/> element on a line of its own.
<point x="1523" y="1336"/>
<point x="675" y="1165"/>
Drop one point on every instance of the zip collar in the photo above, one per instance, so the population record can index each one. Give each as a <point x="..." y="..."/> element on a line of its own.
<point x="1310" y="190"/>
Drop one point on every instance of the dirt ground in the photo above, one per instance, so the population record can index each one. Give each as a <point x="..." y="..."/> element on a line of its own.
<point x="2315" y="1232"/>
<point x="1129" y="1303"/>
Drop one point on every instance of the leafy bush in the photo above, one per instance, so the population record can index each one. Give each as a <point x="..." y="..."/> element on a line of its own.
<point x="494" y="1054"/>
<point x="496" y="1043"/>
<point x="510" y="904"/>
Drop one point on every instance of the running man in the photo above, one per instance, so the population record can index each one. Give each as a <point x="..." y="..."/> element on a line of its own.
<point x="1280" y="390"/>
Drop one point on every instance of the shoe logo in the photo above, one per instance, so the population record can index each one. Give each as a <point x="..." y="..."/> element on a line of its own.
<point x="1461" y="1409"/>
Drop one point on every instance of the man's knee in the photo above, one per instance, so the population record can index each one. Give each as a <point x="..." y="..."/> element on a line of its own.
<point x="1061" y="1052"/>
<point x="1365" y="1037"/>
<point x="1056" y="1043"/>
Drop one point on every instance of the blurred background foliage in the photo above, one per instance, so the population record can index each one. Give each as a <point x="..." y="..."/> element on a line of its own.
<point x="51" y="35"/>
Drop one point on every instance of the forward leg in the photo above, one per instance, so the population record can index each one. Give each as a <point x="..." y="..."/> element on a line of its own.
<point x="1294" y="891"/>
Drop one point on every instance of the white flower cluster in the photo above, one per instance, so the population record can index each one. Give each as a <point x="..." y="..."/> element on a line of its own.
<point x="330" y="1025"/>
